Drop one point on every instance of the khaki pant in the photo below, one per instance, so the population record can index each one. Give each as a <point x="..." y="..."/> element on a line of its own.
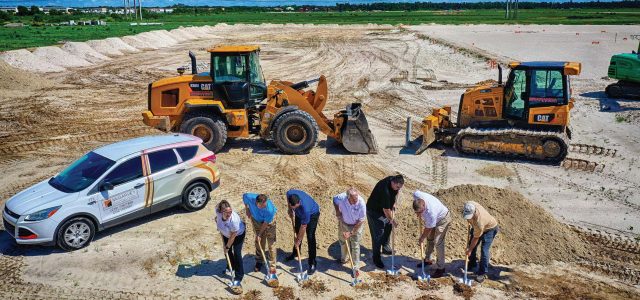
<point x="436" y="239"/>
<point x="354" y="243"/>
<point x="267" y="241"/>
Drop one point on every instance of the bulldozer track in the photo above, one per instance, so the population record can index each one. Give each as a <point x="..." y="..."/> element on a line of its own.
<point x="585" y="189"/>
<point x="608" y="240"/>
<point x="613" y="269"/>
<point x="592" y="150"/>
<point x="518" y="175"/>
<point x="581" y="164"/>
<point x="439" y="169"/>
<point x="488" y="137"/>
<point x="110" y="135"/>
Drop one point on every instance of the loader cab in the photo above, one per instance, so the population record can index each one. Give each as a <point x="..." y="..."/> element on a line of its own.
<point x="237" y="75"/>
<point x="536" y="84"/>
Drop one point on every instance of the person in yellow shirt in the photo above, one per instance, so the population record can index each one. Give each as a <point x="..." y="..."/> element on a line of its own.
<point x="484" y="228"/>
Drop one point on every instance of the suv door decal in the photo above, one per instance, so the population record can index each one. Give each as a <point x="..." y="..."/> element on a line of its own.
<point x="148" y="181"/>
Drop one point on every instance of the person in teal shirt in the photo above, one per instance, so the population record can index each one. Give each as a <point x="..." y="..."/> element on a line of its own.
<point x="262" y="213"/>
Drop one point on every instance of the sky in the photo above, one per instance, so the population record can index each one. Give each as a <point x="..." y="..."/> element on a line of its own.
<point x="161" y="3"/>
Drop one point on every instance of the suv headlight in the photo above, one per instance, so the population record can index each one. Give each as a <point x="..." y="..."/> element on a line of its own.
<point x="42" y="214"/>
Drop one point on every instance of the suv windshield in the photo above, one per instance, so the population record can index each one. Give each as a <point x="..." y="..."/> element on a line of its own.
<point x="82" y="173"/>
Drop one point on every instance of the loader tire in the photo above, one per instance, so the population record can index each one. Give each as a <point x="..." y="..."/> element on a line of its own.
<point x="295" y="132"/>
<point x="211" y="129"/>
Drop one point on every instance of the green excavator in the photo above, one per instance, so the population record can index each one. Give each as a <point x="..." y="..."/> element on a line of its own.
<point x="625" y="67"/>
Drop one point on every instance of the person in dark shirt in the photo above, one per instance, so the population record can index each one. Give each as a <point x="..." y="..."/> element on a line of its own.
<point x="307" y="213"/>
<point x="381" y="207"/>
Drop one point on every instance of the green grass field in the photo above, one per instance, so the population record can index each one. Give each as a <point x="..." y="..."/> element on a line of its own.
<point x="32" y="36"/>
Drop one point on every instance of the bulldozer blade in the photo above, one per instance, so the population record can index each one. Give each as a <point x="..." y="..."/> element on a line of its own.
<point x="427" y="140"/>
<point x="356" y="135"/>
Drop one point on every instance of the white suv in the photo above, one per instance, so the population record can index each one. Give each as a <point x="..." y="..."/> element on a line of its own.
<point x="111" y="185"/>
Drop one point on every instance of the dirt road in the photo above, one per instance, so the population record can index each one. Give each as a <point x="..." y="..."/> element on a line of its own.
<point x="396" y="73"/>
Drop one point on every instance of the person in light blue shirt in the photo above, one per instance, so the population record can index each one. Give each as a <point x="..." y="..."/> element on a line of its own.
<point x="307" y="213"/>
<point x="262" y="213"/>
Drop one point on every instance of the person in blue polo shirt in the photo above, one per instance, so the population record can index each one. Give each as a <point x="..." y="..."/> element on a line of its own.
<point x="262" y="213"/>
<point x="307" y="213"/>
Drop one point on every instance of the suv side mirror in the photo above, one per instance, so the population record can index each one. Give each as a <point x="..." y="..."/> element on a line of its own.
<point x="107" y="186"/>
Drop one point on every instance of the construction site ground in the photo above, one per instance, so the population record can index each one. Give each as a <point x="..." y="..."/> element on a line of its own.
<point x="568" y="231"/>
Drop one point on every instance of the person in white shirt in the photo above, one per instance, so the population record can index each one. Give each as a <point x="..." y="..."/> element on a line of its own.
<point x="351" y="212"/>
<point x="436" y="220"/>
<point x="232" y="229"/>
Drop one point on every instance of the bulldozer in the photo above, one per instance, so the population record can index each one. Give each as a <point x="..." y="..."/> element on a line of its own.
<point x="232" y="100"/>
<point x="526" y="117"/>
<point x="626" y="68"/>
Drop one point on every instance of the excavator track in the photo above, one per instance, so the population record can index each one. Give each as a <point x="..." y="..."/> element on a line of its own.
<point x="550" y="147"/>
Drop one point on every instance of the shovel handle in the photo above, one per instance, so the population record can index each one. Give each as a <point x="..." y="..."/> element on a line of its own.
<point x="349" y="252"/>
<point x="228" y="261"/>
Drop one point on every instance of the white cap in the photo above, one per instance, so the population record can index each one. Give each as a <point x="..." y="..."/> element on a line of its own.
<point x="468" y="210"/>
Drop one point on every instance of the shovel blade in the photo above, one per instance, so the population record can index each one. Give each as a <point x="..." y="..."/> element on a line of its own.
<point x="355" y="282"/>
<point x="392" y="272"/>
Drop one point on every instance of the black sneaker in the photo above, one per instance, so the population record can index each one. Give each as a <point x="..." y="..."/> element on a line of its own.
<point x="258" y="267"/>
<point x="378" y="263"/>
<point x="312" y="269"/>
<point x="438" y="273"/>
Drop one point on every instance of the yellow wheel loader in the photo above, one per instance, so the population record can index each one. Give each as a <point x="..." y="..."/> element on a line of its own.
<point x="527" y="117"/>
<point x="232" y="100"/>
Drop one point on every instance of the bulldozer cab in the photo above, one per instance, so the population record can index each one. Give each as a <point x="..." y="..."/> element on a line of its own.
<point x="536" y="84"/>
<point x="237" y="75"/>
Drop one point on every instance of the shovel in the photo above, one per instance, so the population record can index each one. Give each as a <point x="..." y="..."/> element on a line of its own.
<point x="465" y="279"/>
<point x="302" y="275"/>
<point x="393" y="271"/>
<point x="424" y="276"/>
<point x="233" y="284"/>
<point x="271" y="278"/>
<point x="354" y="271"/>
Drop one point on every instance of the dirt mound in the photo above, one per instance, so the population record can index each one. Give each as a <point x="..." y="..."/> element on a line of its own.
<point x="496" y="171"/>
<point x="104" y="47"/>
<point x="137" y="42"/>
<point x="59" y="57"/>
<point x="13" y="79"/>
<point x="181" y="34"/>
<point x="121" y="46"/>
<point x="84" y="51"/>
<point x="25" y="60"/>
<point x="317" y="286"/>
<point x="528" y="233"/>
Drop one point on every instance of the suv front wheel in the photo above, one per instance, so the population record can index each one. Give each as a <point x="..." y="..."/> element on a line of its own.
<point x="76" y="233"/>
<point x="195" y="196"/>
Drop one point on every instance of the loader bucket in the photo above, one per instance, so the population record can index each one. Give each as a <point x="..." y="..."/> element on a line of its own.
<point x="356" y="135"/>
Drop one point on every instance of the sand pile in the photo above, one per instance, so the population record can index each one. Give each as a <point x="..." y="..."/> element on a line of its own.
<point x="59" y="57"/>
<point x="528" y="233"/>
<point x="14" y="79"/>
<point x="157" y="40"/>
<point x="104" y="47"/>
<point x="137" y="42"/>
<point x="121" y="46"/>
<point x="180" y="34"/>
<point x="166" y="35"/>
<point x="84" y="51"/>
<point x="25" y="60"/>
